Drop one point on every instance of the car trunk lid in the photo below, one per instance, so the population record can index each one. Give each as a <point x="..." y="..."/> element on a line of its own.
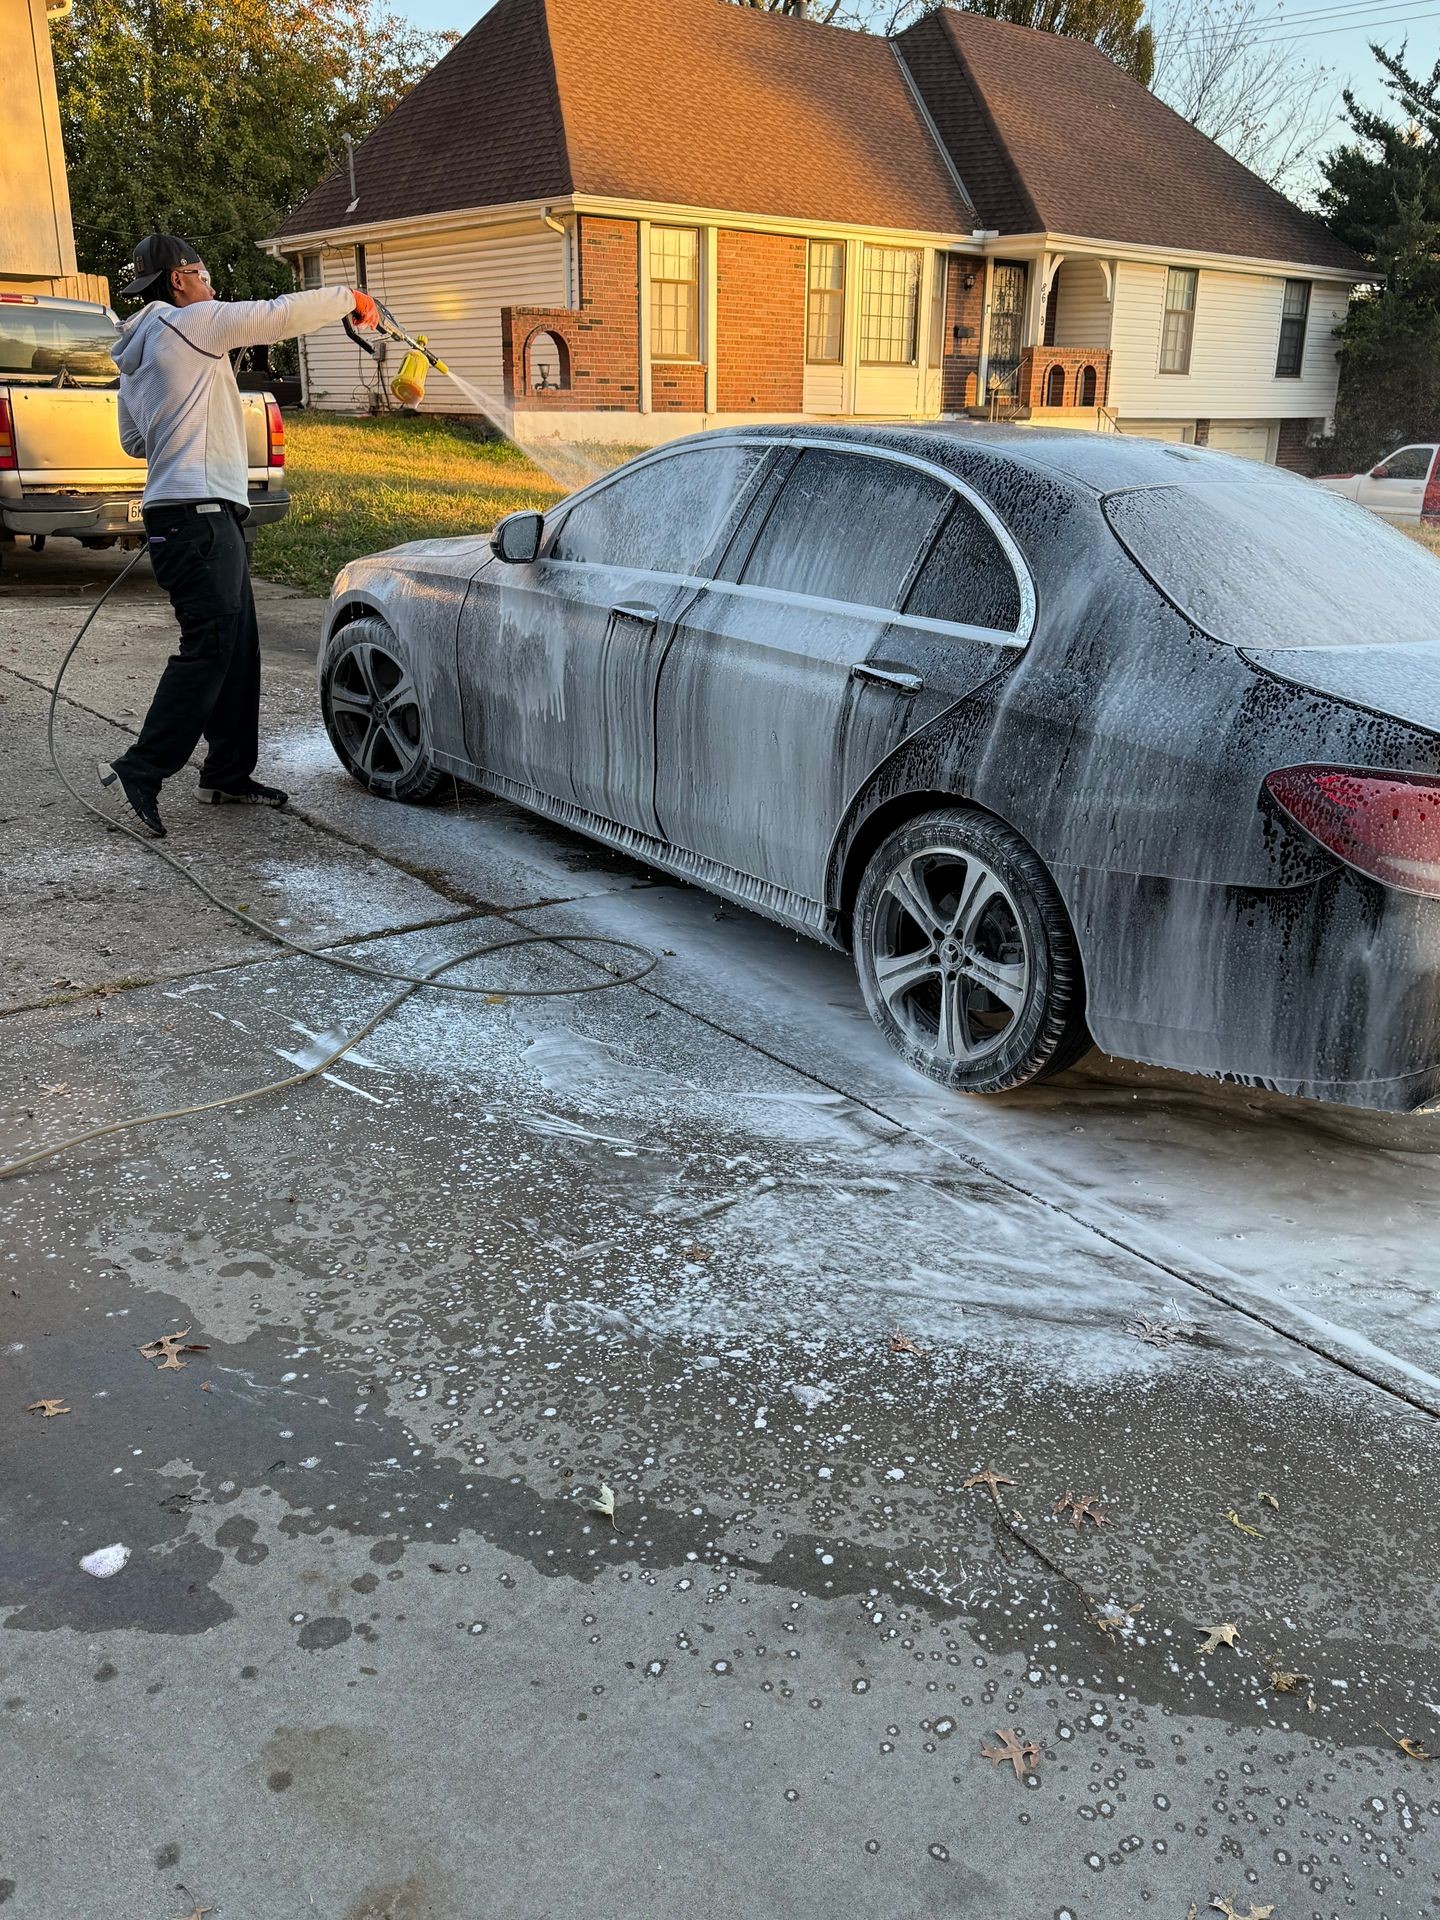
<point x="1402" y="681"/>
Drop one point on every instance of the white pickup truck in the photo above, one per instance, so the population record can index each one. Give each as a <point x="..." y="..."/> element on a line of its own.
<point x="63" y="471"/>
<point x="1405" y="485"/>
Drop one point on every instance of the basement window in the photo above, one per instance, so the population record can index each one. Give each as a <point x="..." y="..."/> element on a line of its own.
<point x="1294" y="318"/>
<point x="674" y="293"/>
<point x="825" y="311"/>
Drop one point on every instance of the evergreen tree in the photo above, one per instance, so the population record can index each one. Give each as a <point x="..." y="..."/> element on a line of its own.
<point x="1382" y="196"/>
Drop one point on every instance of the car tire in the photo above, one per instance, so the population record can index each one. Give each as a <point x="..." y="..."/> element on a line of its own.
<point x="966" y="956"/>
<point x="380" y="736"/>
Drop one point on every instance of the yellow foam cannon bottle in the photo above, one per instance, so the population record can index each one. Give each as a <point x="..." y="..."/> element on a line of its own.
<point x="408" y="386"/>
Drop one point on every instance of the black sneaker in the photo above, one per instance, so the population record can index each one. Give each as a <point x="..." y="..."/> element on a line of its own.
<point x="245" y="793"/>
<point x="142" y="803"/>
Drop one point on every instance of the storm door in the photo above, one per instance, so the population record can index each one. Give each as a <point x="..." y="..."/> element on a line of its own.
<point x="1007" y="327"/>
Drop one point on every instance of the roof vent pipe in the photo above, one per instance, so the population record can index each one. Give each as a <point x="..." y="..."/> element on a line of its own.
<point x="354" y="190"/>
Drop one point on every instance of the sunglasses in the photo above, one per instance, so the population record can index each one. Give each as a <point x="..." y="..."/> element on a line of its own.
<point x="201" y="273"/>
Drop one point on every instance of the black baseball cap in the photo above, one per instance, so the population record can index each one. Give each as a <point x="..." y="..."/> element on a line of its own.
<point x="155" y="256"/>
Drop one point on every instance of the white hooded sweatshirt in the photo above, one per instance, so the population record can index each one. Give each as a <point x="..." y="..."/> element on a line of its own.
<point x="180" y="408"/>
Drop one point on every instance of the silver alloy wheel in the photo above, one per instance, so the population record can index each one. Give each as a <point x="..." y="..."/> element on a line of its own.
<point x="375" y="711"/>
<point x="949" y="954"/>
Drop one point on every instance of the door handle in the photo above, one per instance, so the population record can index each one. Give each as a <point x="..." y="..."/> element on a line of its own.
<point x="636" y="610"/>
<point x="893" y="677"/>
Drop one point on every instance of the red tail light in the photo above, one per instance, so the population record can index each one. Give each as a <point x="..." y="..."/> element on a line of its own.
<point x="8" y="460"/>
<point x="275" y="433"/>
<point x="1386" y="825"/>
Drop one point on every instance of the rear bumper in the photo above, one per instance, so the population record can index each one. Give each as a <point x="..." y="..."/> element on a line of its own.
<point x="1330" y="990"/>
<point x="86" y="516"/>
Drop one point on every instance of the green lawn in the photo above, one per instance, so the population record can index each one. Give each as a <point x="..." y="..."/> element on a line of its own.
<point x="359" y="485"/>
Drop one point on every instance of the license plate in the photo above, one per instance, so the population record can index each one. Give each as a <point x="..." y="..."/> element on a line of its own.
<point x="136" y="511"/>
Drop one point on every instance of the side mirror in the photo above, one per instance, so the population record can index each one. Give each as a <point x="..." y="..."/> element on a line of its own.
<point x="517" y="537"/>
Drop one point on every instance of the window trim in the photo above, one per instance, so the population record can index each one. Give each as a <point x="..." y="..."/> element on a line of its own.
<point x="998" y="636"/>
<point x="1296" y="372"/>
<point x="840" y="293"/>
<point x="312" y="256"/>
<point x="1179" y="373"/>
<point x="697" y="286"/>
<point x="915" y="253"/>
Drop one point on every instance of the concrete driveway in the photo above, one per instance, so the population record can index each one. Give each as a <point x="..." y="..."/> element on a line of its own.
<point x="702" y="1242"/>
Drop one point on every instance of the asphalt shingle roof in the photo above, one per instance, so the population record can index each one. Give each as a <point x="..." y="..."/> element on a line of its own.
<point x="1047" y="134"/>
<point x="685" y="102"/>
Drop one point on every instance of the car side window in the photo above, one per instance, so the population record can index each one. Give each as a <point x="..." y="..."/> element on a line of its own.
<point x="665" y="515"/>
<point x="1410" y="463"/>
<point x="967" y="576"/>
<point x="847" y="527"/>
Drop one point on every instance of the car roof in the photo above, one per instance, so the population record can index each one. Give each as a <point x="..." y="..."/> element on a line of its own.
<point x="1100" y="462"/>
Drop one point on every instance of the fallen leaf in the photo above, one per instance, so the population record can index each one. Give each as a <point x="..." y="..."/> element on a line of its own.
<point x="168" y="1349"/>
<point x="198" y="1913"/>
<point x="989" y="1478"/>
<point x="59" y="1086"/>
<point x="48" y="1409"/>
<point x="1232" y="1912"/>
<point x="1254" y="1532"/>
<point x="1080" y="1510"/>
<point x="1271" y="1501"/>
<point x="1024" y="1757"/>
<point x="1223" y="1635"/>
<point x="902" y="1343"/>
<point x="1288" y="1682"/>
<point x="1110" y="1616"/>
<point x="1158" y="1333"/>
<point x="495" y="999"/>
<point x="604" y="1503"/>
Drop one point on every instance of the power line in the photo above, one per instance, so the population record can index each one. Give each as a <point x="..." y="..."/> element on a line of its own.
<point x="1350" y="17"/>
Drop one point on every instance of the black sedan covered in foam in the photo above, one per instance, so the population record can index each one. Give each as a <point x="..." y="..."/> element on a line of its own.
<point x="1064" y="736"/>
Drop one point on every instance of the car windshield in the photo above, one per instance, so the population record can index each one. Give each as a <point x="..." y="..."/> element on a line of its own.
<point x="41" y="343"/>
<point x="1263" y="563"/>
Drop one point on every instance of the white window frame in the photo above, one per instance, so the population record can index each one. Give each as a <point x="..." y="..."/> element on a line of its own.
<point x="1178" y="344"/>
<point x="835" y="299"/>
<point x="312" y="272"/>
<point x="875" y="329"/>
<point x="1295" y="372"/>
<point x="656" y="280"/>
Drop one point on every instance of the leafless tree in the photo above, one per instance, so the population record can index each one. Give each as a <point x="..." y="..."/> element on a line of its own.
<point x="1228" y="68"/>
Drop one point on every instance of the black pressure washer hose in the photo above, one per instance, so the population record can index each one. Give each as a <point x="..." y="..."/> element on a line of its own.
<point x="571" y="943"/>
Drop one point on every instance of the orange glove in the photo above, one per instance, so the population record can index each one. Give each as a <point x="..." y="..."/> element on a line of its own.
<point x="364" y="313"/>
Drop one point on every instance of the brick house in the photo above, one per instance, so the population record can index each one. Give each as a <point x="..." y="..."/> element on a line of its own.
<point x="629" y="219"/>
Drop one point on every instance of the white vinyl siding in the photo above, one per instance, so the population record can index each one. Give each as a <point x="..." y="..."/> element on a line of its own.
<point x="449" y="286"/>
<point x="1232" y="352"/>
<point x="1082" y="306"/>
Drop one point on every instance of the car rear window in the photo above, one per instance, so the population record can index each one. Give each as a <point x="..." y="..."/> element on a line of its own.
<point x="1269" y="564"/>
<point x="42" y="342"/>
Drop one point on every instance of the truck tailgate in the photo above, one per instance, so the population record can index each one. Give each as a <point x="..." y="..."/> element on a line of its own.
<point x="68" y="437"/>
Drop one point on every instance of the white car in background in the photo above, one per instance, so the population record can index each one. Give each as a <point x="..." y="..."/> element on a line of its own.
<point x="1404" y="486"/>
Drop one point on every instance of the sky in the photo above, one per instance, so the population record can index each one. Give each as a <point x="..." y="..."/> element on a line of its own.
<point x="1332" y="33"/>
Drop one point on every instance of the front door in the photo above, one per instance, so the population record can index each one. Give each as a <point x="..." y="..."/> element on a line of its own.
<point x="789" y="681"/>
<point x="1008" y="280"/>
<point x="558" y="659"/>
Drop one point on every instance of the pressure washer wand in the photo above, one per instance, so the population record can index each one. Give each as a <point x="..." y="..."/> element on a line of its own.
<point x="391" y="329"/>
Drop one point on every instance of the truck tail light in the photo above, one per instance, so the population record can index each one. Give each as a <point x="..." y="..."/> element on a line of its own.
<point x="8" y="460"/>
<point x="1385" y="825"/>
<point x="274" y="434"/>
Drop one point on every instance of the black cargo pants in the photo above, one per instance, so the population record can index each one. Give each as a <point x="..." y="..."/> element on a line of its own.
<point x="212" y="685"/>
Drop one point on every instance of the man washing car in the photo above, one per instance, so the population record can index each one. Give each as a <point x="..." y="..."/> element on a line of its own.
<point x="180" y="410"/>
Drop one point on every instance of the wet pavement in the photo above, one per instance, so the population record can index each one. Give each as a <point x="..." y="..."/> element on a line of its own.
<point x="698" y="1242"/>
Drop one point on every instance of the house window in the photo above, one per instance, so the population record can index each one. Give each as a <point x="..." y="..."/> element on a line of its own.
<point x="825" y="314"/>
<point x="890" y="306"/>
<point x="310" y="274"/>
<point x="1294" y="316"/>
<point x="674" y="293"/>
<point x="1179" y="323"/>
